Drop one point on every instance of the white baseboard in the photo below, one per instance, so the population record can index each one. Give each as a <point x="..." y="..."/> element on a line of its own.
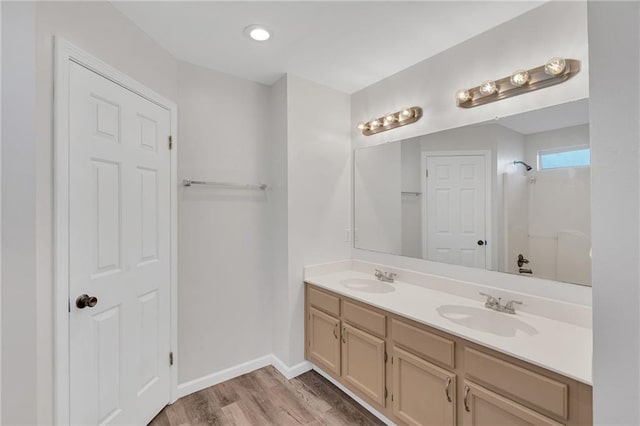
<point x="359" y="400"/>
<point x="204" y="382"/>
<point x="291" y="372"/>
<point x="196" y="385"/>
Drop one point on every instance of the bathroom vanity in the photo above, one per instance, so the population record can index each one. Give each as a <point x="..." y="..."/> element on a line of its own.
<point x="423" y="356"/>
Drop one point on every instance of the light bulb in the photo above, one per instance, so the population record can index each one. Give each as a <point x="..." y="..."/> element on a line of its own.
<point x="555" y="66"/>
<point x="389" y="118"/>
<point x="488" y="88"/>
<point x="519" y="78"/>
<point x="374" y="124"/>
<point x="259" y="34"/>
<point x="360" y="126"/>
<point x="463" y="96"/>
<point x="405" y="114"/>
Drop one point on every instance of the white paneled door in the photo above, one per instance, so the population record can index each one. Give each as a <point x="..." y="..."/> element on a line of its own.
<point x="455" y="207"/>
<point x="119" y="251"/>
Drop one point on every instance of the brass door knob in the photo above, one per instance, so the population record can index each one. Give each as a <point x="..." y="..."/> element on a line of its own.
<point x="85" y="300"/>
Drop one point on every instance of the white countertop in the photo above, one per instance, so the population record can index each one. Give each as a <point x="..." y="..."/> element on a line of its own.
<point x="561" y="347"/>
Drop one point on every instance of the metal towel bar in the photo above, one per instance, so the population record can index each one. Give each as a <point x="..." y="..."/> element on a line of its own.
<point x="229" y="185"/>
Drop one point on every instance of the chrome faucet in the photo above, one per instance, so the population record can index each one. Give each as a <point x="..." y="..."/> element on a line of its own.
<point x="387" y="277"/>
<point x="496" y="304"/>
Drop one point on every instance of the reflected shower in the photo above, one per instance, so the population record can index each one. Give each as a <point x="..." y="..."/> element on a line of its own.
<point x="523" y="163"/>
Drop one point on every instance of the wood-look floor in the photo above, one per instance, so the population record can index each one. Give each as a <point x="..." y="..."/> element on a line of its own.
<point x="265" y="397"/>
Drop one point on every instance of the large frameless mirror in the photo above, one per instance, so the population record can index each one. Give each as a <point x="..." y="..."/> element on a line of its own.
<point x="510" y="195"/>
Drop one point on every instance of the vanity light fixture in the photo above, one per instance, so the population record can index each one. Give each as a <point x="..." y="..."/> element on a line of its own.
<point x="555" y="71"/>
<point x="390" y="121"/>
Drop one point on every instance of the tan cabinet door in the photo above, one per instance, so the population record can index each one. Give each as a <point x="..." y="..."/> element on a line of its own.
<point x="423" y="394"/>
<point x="485" y="408"/>
<point x="324" y="341"/>
<point x="363" y="360"/>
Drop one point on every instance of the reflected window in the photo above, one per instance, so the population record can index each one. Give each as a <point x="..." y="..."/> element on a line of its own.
<point x="566" y="158"/>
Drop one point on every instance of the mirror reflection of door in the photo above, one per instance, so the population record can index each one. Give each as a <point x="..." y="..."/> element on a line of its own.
<point x="455" y="209"/>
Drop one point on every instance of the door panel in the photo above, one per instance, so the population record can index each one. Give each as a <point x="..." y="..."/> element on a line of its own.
<point x="119" y="251"/>
<point x="485" y="408"/>
<point x="423" y="394"/>
<point x="324" y="340"/>
<point x="363" y="362"/>
<point x="455" y="210"/>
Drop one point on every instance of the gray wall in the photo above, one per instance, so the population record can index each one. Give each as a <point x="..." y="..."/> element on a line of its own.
<point x="224" y="273"/>
<point x="19" y="348"/>
<point x="614" y="50"/>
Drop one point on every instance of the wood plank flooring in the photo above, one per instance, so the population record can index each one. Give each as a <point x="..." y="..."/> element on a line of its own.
<point x="265" y="397"/>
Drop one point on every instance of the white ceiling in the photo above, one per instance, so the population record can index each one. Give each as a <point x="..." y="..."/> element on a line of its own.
<point x="344" y="45"/>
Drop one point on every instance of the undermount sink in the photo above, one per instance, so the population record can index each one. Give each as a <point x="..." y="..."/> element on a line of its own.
<point x="367" y="285"/>
<point x="485" y="320"/>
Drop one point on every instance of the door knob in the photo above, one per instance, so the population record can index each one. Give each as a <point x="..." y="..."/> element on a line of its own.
<point x="85" y="300"/>
<point x="481" y="242"/>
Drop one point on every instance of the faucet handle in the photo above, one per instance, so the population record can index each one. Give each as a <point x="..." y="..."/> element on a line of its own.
<point x="390" y="274"/>
<point x="510" y="303"/>
<point x="490" y="299"/>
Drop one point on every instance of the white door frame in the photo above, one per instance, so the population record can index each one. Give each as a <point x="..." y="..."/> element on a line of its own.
<point x="65" y="53"/>
<point x="488" y="195"/>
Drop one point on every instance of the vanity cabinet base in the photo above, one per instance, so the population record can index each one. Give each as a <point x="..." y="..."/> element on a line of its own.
<point x="419" y="376"/>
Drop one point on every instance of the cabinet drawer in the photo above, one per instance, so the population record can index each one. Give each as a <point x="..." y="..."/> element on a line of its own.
<point x="483" y="407"/>
<point x="516" y="382"/>
<point x="324" y="301"/>
<point x="364" y="318"/>
<point x="423" y="343"/>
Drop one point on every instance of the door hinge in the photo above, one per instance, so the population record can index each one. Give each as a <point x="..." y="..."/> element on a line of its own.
<point x="391" y="360"/>
<point x="385" y="357"/>
<point x="385" y="392"/>
<point x="391" y="397"/>
<point x="69" y="306"/>
<point x="426" y="173"/>
<point x="170" y="358"/>
<point x="170" y="142"/>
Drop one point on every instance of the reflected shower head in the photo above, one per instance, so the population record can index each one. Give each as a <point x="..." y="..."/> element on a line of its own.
<point x="523" y="163"/>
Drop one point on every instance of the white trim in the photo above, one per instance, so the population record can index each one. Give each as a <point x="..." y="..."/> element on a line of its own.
<point x="291" y="372"/>
<point x="213" y="379"/>
<point x="66" y="52"/>
<point x="355" y="397"/>
<point x="204" y="382"/>
<point x="488" y="218"/>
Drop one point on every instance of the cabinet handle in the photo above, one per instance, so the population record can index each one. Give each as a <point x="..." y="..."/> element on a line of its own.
<point x="335" y="331"/>
<point x="447" y="387"/>
<point x="466" y="398"/>
<point x="344" y="331"/>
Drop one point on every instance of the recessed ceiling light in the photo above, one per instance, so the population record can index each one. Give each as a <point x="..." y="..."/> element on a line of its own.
<point x="257" y="32"/>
